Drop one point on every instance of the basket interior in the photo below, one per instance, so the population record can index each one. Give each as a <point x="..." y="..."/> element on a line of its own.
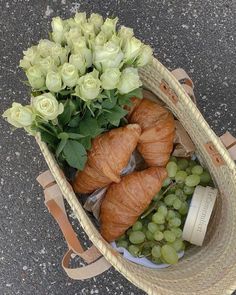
<point x="210" y="269"/>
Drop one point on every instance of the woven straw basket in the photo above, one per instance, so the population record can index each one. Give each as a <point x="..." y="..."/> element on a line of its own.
<point x="210" y="269"/>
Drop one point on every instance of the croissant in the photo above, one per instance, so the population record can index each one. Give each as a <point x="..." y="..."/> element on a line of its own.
<point x="158" y="131"/>
<point x="124" y="202"/>
<point x="109" y="154"/>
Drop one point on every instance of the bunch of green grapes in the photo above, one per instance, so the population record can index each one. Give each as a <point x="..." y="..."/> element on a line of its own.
<point x="157" y="235"/>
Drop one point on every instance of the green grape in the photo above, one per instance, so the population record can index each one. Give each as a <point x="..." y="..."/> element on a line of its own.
<point x="156" y="251"/>
<point x="175" y="222"/>
<point x="205" y="178"/>
<point x="146" y="251"/>
<point x="169" y="254"/>
<point x="169" y="199"/>
<point x="137" y="237"/>
<point x="197" y="170"/>
<point x="166" y="182"/>
<point x="189" y="170"/>
<point x="184" y="208"/>
<point x="153" y="227"/>
<point x="180" y="176"/>
<point x="183" y="197"/>
<point x="188" y="190"/>
<point x="192" y="180"/>
<point x="171" y="168"/>
<point x="177" y="204"/>
<point x="179" y="192"/>
<point x="137" y="226"/>
<point x="169" y="236"/>
<point x="192" y="163"/>
<point x="123" y="237"/>
<point x="133" y="250"/>
<point x="161" y="227"/>
<point x="173" y="159"/>
<point x="123" y="244"/>
<point x="129" y="231"/>
<point x="177" y="214"/>
<point x="177" y="245"/>
<point x="163" y="210"/>
<point x="158" y="218"/>
<point x="177" y="231"/>
<point x="158" y="236"/>
<point x="181" y="185"/>
<point x="156" y="260"/>
<point x="171" y="214"/>
<point x="149" y="235"/>
<point x="182" y="164"/>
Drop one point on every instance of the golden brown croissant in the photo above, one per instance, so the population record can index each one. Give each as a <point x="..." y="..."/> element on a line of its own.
<point x="124" y="202"/>
<point x="109" y="154"/>
<point x="158" y="130"/>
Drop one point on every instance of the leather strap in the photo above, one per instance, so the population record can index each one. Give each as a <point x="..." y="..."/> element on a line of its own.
<point x="230" y="143"/>
<point x="55" y="204"/>
<point x="186" y="82"/>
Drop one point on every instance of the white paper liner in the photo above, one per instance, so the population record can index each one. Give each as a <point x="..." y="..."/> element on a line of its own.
<point x="142" y="261"/>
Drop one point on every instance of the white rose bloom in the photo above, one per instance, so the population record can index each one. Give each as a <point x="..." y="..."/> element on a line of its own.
<point x="73" y="34"/>
<point x="69" y="74"/>
<point x="31" y="56"/>
<point x="125" y="34"/>
<point x="80" y="18"/>
<point x="129" y="80"/>
<point x="35" y="77"/>
<point x="47" y="106"/>
<point x="100" y="39"/>
<point x="89" y="86"/>
<point x="24" y="64"/>
<point x="110" y="78"/>
<point x="97" y="20"/>
<point x="87" y="53"/>
<point x="58" y="30"/>
<point x="109" y="27"/>
<point x="45" y="47"/>
<point x="53" y="81"/>
<point x="78" y="43"/>
<point x="71" y="22"/>
<point x="107" y="56"/>
<point x="47" y="64"/>
<point x="145" y="57"/>
<point x="59" y="54"/>
<point x="78" y="60"/>
<point x="88" y="30"/>
<point x="132" y="49"/>
<point x="19" y="116"/>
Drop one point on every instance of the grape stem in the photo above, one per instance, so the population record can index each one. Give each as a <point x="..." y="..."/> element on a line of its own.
<point x="155" y="203"/>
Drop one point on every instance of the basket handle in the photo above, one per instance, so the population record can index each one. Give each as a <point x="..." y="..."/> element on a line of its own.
<point x="97" y="264"/>
<point x="186" y="82"/>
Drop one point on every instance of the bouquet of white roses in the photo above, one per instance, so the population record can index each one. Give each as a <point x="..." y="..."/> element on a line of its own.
<point x="81" y="80"/>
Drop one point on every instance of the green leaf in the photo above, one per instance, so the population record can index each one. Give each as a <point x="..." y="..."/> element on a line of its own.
<point x="89" y="126"/>
<point x="109" y="103"/>
<point x="69" y="109"/>
<point x="75" y="154"/>
<point x="66" y="92"/>
<point x="60" y="147"/>
<point x="115" y="115"/>
<point x="75" y="135"/>
<point x="74" y="122"/>
<point x="125" y="98"/>
<point x="48" y="138"/>
<point x="86" y="142"/>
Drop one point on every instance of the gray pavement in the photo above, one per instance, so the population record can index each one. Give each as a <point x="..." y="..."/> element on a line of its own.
<point x="196" y="35"/>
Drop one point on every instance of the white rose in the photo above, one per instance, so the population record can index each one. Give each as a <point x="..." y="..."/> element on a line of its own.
<point x="80" y="18"/>
<point x="108" y="56"/>
<point x="129" y="80"/>
<point x="89" y="86"/>
<point x="31" y="56"/>
<point x="110" y="78"/>
<point x="109" y="27"/>
<point x="69" y="74"/>
<point x="125" y="34"/>
<point x="100" y="39"/>
<point x="36" y="77"/>
<point x="132" y="49"/>
<point x="58" y="30"/>
<point x="88" y="30"/>
<point x="47" y="106"/>
<point x="47" y="64"/>
<point x="145" y="57"/>
<point x="53" y="81"/>
<point x="71" y="22"/>
<point x="59" y="54"/>
<point x="45" y="47"/>
<point x="19" y="116"/>
<point x="78" y="60"/>
<point x="73" y="34"/>
<point x="78" y="43"/>
<point x="97" y="20"/>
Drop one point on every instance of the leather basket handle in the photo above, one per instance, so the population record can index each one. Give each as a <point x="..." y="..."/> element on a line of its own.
<point x="97" y="264"/>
